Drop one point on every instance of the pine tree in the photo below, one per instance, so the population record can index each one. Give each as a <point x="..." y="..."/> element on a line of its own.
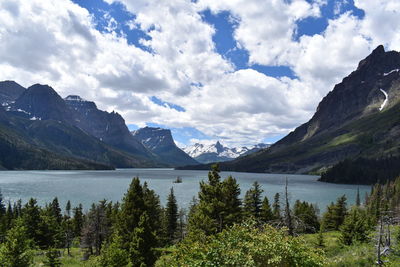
<point x="334" y="216"/>
<point x="68" y="209"/>
<point x="153" y="208"/>
<point x="252" y="201"/>
<point x="320" y="237"/>
<point x="232" y="210"/>
<point x="52" y="258"/>
<point x="266" y="214"/>
<point x="306" y="216"/>
<point x="16" y="250"/>
<point x="32" y="220"/>
<point x="276" y="207"/>
<point x="172" y="216"/>
<point x="77" y="221"/>
<point x="358" y="201"/>
<point x="56" y="210"/>
<point x="354" y="227"/>
<point x="218" y="206"/>
<point x="340" y="211"/>
<point x="143" y="243"/>
<point x="132" y="208"/>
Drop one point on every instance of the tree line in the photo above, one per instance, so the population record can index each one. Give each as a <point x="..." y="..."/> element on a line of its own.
<point x="135" y="231"/>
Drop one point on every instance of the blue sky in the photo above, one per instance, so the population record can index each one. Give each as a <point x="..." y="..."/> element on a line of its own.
<point x="224" y="24"/>
<point x="242" y="72"/>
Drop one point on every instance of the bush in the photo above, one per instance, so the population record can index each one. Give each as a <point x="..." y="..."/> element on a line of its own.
<point x="245" y="245"/>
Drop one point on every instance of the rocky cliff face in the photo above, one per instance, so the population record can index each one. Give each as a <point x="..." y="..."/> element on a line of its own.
<point x="41" y="101"/>
<point x="107" y="127"/>
<point x="161" y="143"/>
<point x="9" y="92"/>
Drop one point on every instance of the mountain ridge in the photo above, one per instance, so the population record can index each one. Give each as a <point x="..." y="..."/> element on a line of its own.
<point x="219" y="153"/>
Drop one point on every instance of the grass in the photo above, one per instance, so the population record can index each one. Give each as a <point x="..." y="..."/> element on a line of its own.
<point x="359" y="254"/>
<point x="75" y="260"/>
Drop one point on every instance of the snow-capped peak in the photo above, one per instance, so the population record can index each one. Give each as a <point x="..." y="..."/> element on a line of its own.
<point x="218" y="152"/>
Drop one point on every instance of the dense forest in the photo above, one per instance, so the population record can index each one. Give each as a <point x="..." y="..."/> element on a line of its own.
<point x="219" y="228"/>
<point x="363" y="171"/>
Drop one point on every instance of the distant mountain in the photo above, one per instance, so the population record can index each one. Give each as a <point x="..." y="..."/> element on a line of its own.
<point x="72" y="130"/>
<point x="20" y="151"/>
<point x="9" y="92"/>
<point x="218" y="153"/>
<point x="358" y="118"/>
<point x="161" y="143"/>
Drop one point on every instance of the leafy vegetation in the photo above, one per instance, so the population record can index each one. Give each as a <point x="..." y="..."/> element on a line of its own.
<point x="220" y="230"/>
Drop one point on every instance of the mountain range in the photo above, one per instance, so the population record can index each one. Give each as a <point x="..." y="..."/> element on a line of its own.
<point x="217" y="152"/>
<point x="359" y="118"/>
<point x="41" y="130"/>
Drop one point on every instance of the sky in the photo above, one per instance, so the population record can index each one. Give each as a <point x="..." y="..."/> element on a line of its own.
<point x="238" y="71"/>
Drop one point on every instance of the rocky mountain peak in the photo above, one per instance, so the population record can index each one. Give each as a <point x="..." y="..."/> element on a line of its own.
<point x="161" y="142"/>
<point x="42" y="101"/>
<point x="9" y="92"/>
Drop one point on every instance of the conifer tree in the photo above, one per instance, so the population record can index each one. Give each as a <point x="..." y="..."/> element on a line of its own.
<point x="77" y="221"/>
<point x="218" y="206"/>
<point x="56" y="210"/>
<point x="16" y="250"/>
<point x="52" y="258"/>
<point x="320" y="237"/>
<point x="171" y="216"/>
<point x="306" y="215"/>
<point x="266" y="214"/>
<point x="68" y="209"/>
<point x="32" y="220"/>
<point x="354" y="227"/>
<point x="334" y="216"/>
<point x="153" y="208"/>
<point x="276" y="207"/>
<point x="143" y="243"/>
<point x="358" y="201"/>
<point x="132" y="208"/>
<point x="232" y="211"/>
<point x="252" y="201"/>
<point x="340" y="211"/>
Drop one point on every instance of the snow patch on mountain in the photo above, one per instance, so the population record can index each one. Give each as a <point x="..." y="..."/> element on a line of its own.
<point x="386" y="99"/>
<point x="390" y="72"/>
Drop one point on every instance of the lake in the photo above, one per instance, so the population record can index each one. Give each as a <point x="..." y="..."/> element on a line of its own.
<point x="87" y="187"/>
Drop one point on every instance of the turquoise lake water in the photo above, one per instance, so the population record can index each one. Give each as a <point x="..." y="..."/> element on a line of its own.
<point x="87" y="187"/>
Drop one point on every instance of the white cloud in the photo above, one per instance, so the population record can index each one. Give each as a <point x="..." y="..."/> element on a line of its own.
<point x="56" y="42"/>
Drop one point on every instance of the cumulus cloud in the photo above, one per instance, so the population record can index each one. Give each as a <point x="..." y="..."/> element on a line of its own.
<point x="56" y="42"/>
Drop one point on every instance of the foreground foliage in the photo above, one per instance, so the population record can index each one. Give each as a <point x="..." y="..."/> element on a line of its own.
<point x="244" y="245"/>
